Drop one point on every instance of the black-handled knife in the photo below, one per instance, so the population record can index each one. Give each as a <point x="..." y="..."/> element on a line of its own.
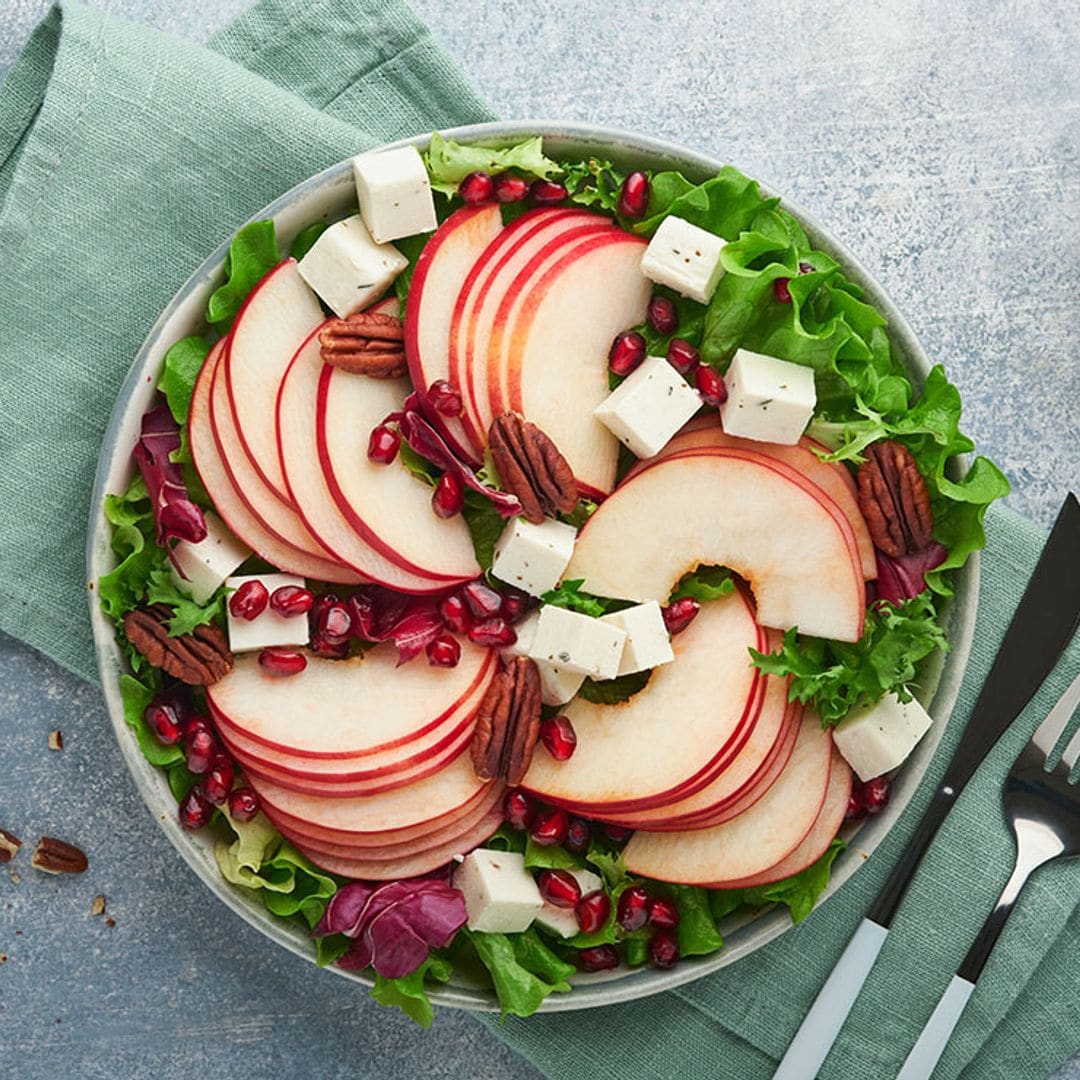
<point x="1040" y="629"/>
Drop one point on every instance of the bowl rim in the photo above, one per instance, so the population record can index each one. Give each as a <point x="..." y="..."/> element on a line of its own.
<point x="743" y="935"/>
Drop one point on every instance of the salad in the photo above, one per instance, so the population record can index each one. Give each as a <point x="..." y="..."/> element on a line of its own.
<point x="532" y="568"/>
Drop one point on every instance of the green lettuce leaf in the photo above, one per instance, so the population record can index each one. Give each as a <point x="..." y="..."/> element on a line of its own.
<point x="609" y="863"/>
<point x="550" y="857"/>
<point x="253" y="253"/>
<point x="408" y="993"/>
<point x="705" y="583"/>
<point x="124" y="587"/>
<point x="569" y="595"/>
<point x="136" y="696"/>
<point x="410" y="247"/>
<point x="180" y="369"/>
<point x="305" y="239"/>
<point x="581" y="513"/>
<point x="593" y="183"/>
<point x="691" y="323"/>
<point x="331" y="948"/>
<point x="834" y="677"/>
<point x="255" y="842"/>
<point x="524" y="971"/>
<point x="161" y="589"/>
<point x="181" y="779"/>
<point x="485" y="526"/>
<point x="697" y="931"/>
<point x="449" y="162"/>
<point x="724" y="204"/>
<point x="612" y="691"/>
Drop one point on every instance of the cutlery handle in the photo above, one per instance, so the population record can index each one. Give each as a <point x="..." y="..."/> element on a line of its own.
<point x="826" y="1017"/>
<point x="926" y="1053"/>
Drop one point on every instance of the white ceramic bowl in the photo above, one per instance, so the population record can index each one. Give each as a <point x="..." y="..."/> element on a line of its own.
<point x="329" y="195"/>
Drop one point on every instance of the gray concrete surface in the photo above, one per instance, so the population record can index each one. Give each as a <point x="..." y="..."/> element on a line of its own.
<point x="941" y="141"/>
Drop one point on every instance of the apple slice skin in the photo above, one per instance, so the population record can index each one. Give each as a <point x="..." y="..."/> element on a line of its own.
<point x="752" y="842"/>
<point x="793" y="546"/>
<point x="440" y="271"/>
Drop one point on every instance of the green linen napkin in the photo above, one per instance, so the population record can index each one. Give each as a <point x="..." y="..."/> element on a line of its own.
<point x="125" y="157"/>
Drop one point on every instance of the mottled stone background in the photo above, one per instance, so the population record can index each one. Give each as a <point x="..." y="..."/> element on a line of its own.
<point x="939" y="140"/>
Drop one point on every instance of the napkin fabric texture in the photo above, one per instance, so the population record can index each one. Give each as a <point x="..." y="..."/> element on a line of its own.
<point x="126" y="156"/>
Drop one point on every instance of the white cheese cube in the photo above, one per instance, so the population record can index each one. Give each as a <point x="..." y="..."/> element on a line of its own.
<point x="394" y="193"/>
<point x="769" y="400"/>
<point x="578" y="643"/>
<point x="501" y="896"/>
<point x="533" y="557"/>
<point x="877" y="739"/>
<point x="348" y="269"/>
<point x="684" y="257"/>
<point x="269" y="628"/>
<point x="557" y="684"/>
<point x="648" y="644"/>
<point x="648" y="406"/>
<point x="208" y="563"/>
<point x="563" y="921"/>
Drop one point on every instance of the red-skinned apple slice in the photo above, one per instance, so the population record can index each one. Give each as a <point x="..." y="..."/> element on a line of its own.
<point x="767" y="833"/>
<point x="735" y="508"/>
<point x="437" y="279"/>
<point x="673" y="736"/>
<point x="228" y="503"/>
<point x="346" y="708"/>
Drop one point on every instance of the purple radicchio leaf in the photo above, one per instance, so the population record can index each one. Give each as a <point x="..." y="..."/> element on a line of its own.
<point x="410" y="622"/>
<point x="903" y="578"/>
<point x="343" y="912"/>
<point x="396" y="948"/>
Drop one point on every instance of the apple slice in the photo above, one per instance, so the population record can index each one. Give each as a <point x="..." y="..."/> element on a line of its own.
<point x="735" y="508"/>
<point x="767" y="833"/>
<point x="672" y="737"/>
<point x="231" y="508"/>
<point x="277" y="316"/>
<point x="346" y="708"/>
<point x="437" y="279"/>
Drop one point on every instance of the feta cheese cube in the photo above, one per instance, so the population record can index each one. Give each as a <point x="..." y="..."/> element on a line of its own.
<point x="577" y="643"/>
<point x="563" y="921"/>
<point x="501" y="896"/>
<point x="648" y="406"/>
<point x="557" y="684"/>
<point x="394" y="193"/>
<point x="769" y="400"/>
<point x="877" y="739"/>
<point x="209" y="562"/>
<point x="348" y="269"/>
<point x="268" y="628"/>
<point x="684" y="257"/>
<point x="533" y="557"/>
<point x="648" y="644"/>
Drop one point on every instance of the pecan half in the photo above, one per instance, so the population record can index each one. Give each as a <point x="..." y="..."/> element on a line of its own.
<point x="366" y="343"/>
<point x="894" y="500"/>
<point x="531" y="467"/>
<point x="198" y="659"/>
<point x="9" y="845"/>
<point x="56" y="740"/>
<point x="57" y="857"/>
<point x="508" y="723"/>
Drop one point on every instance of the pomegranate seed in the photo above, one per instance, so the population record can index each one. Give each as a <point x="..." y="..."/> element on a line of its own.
<point x="449" y="496"/>
<point x="444" y="651"/>
<point x="663" y="949"/>
<point x="875" y="794"/>
<point x="626" y="353"/>
<point x="633" y="909"/>
<point x="662" y="316"/>
<point x="550" y="828"/>
<point x="679" y="614"/>
<point x="682" y="356"/>
<point x="510" y="188"/>
<point x="514" y="605"/>
<point x="559" y="887"/>
<point x="781" y="291"/>
<point x="806" y="268"/>
<point x="243" y="803"/>
<point x="444" y="399"/>
<point x="592" y="911"/>
<point x="195" y="810"/>
<point x="518" y="809"/>
<point x="557" y="735"/>
<point x="663" y="914"/>
<point x="198" y="722"/>
<point x="484" y="603"/>
<point x="200" y="749"/>
<point x="334" y="623"/>
<point x="383" y="444"/>
<point x="710" y="385"/>
<point x="163" y="721"/>
<point x="455" y="613"/>
<point x="330" y="650"/>
<point x="547" y="192"/>
<point x="578" y="836"/>
<point x="634" y="197"/>
<point x="493" y="632"/>
<point x="249" y="601"/>
<point x="618" y="834"/>
<point x="855" y="807"/>
<point x="291" y="600"/>
<point x="476" y="188"/>
<point x="219" y="778"/>
<point x="282" y="662"/>
<point x="598" y="958"/>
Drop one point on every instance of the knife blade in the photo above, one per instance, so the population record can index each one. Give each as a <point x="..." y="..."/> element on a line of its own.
<point x="1041" y="627"/>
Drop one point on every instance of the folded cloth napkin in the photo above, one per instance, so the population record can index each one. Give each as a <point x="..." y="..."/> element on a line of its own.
<point x="125" y="157"/>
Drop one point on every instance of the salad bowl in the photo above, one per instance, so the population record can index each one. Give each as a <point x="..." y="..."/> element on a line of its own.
<point x="328" y="195"/>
